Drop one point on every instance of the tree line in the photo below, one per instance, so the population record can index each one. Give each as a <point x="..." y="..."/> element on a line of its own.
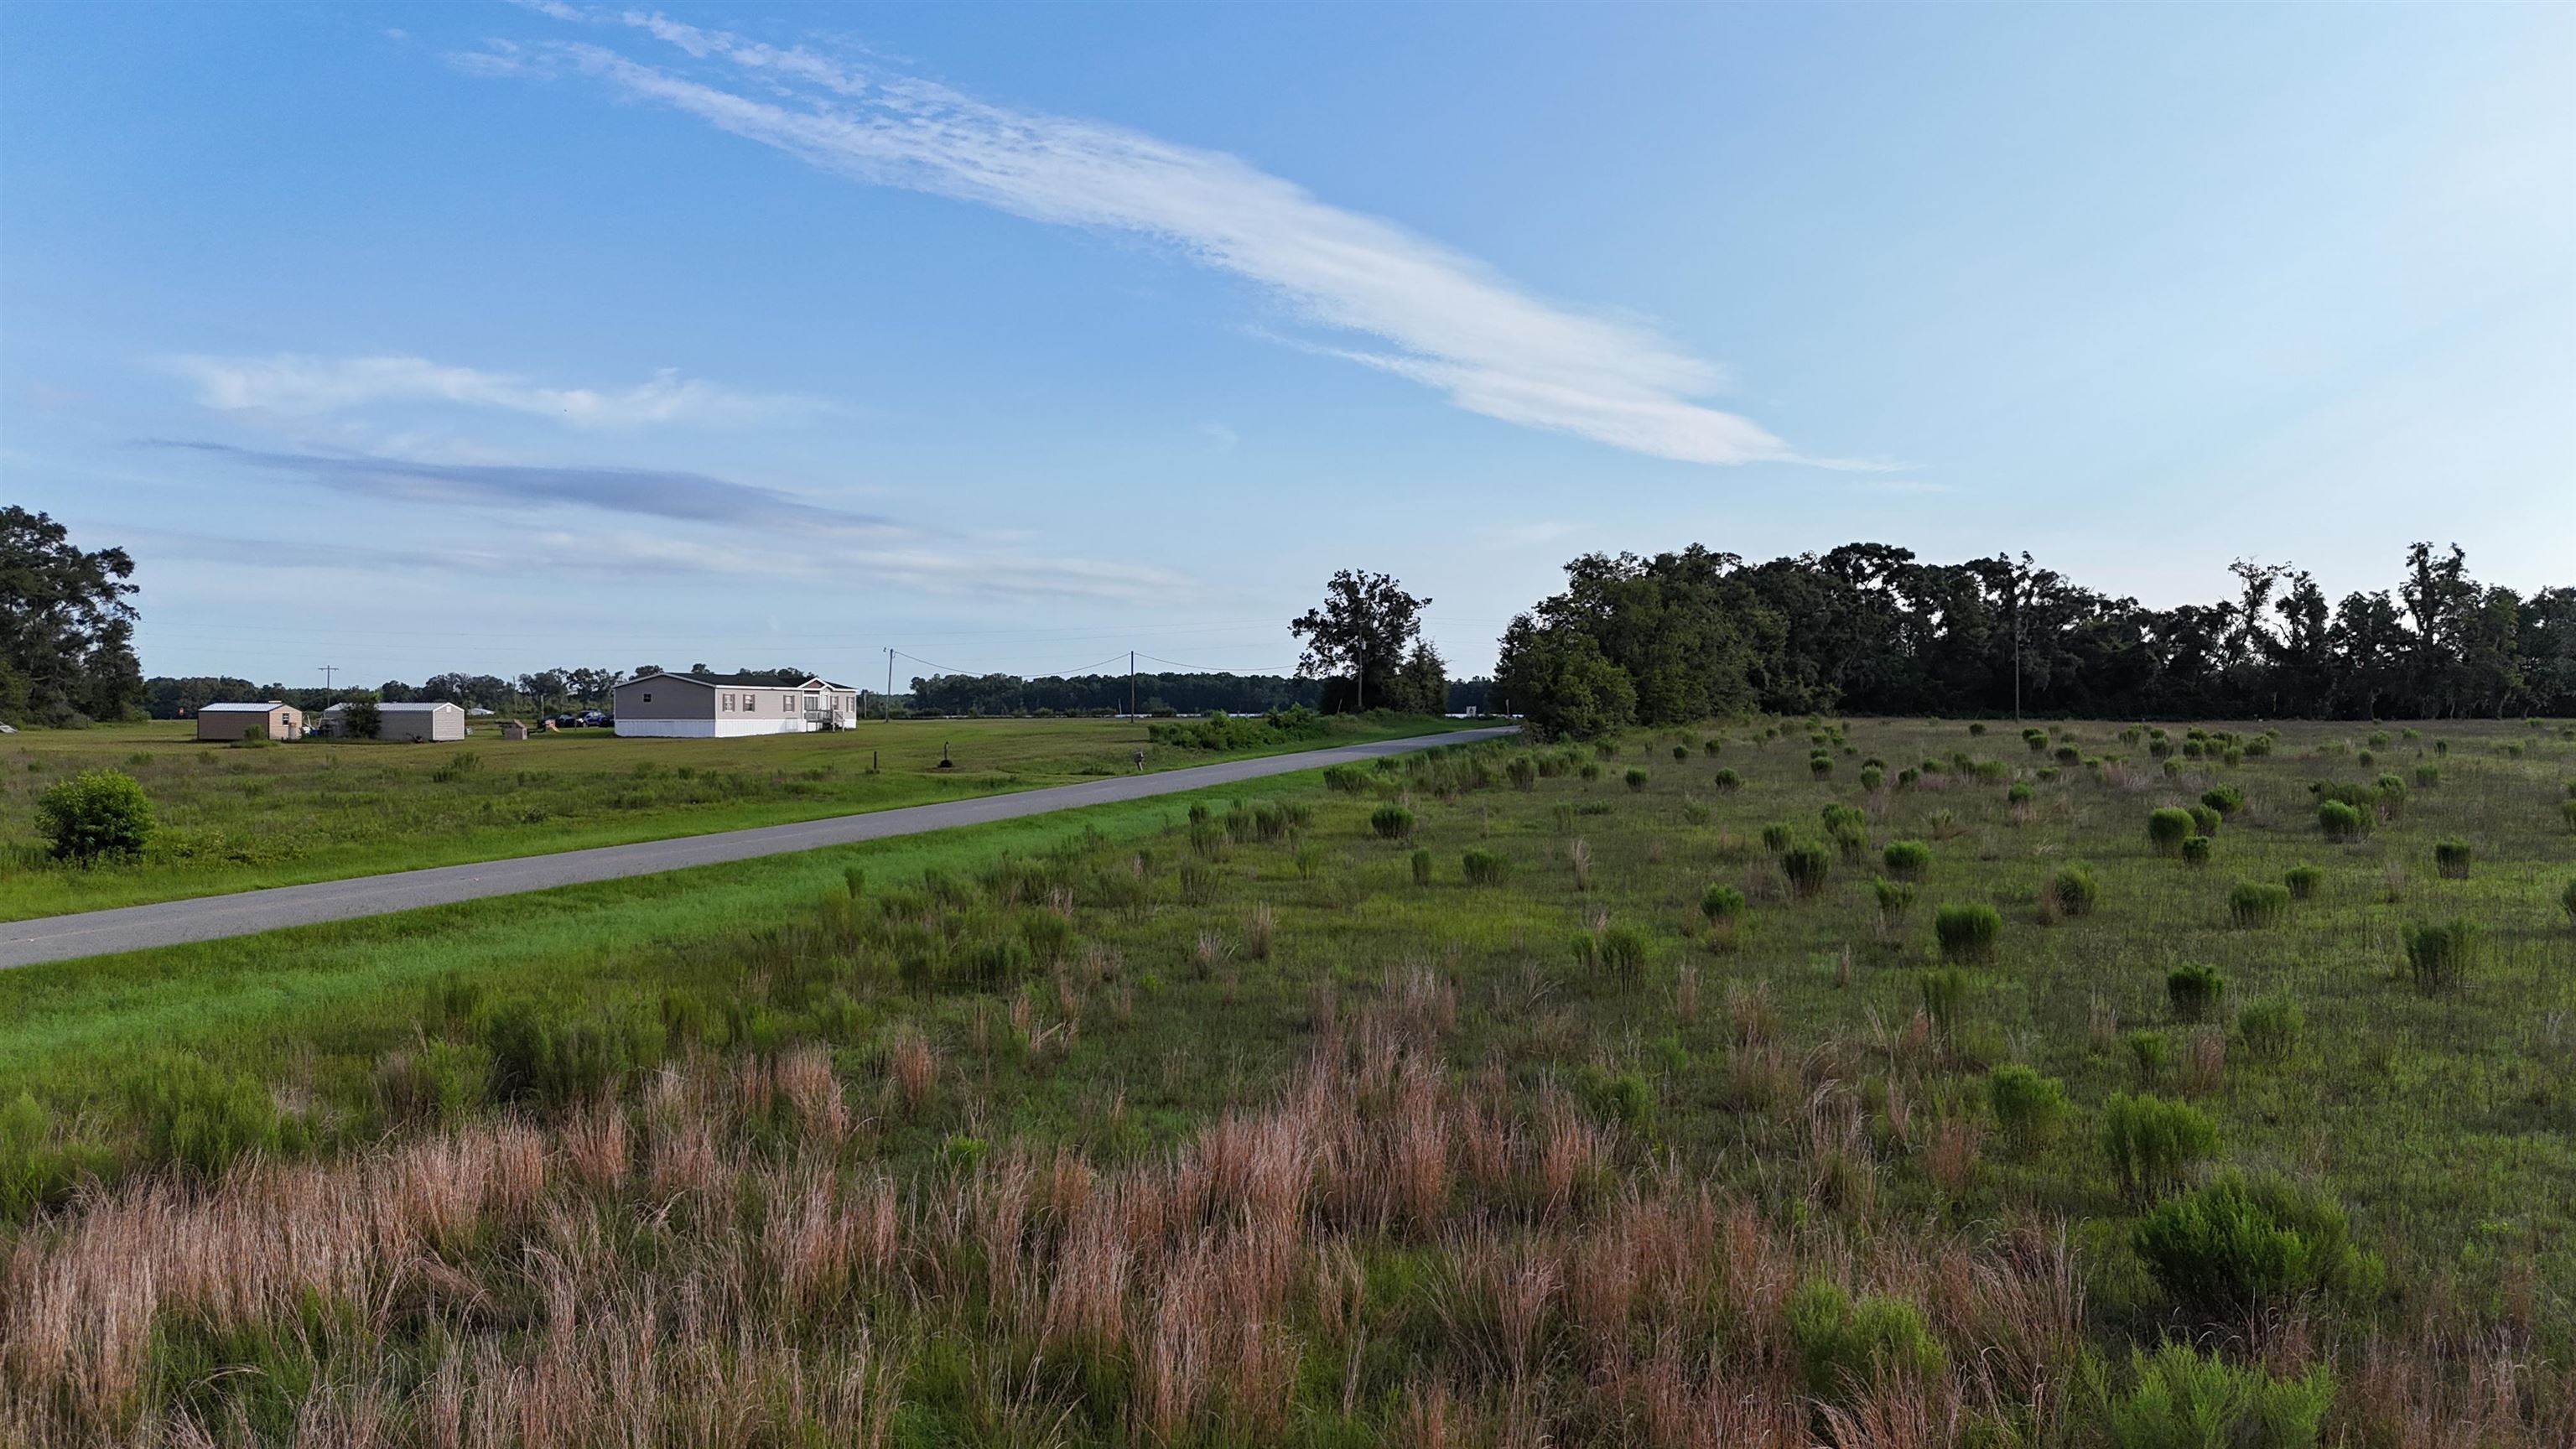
<point x="1870" y="629"/>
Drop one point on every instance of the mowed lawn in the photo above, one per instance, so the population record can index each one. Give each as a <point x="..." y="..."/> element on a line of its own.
<point x="232" y="818"/>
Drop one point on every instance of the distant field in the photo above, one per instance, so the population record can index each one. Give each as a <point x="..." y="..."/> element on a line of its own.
<point x="1450" y="1100"/>
<point x="244" y="818"/>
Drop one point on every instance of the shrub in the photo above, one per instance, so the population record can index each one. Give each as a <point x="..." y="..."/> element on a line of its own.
<point x="2270" y="1028"/>
<point x="2567" y="901"/>
<point x="2451" y="858"/>
<point x="1967" y="932"/>
<point x="2037" y="739"/>
<point x="1636" y="777"/>
<point x="2204" y="821"/>
<point x="2342" y="821"/>
<point x="2020" y="793"/>
<point x="1391" y="822"/>
<point x="1907" y="859"/>
<point x="2194" y="990"/>
<point x="2148" y="1053"/>
<point x="1349" y="779"/>
<point x="95" y="815"/>
<point x="2236" y="1247"/>
<point x="1820" y="764"/>
<point x="2304" y="881"/>
<point x="2440" y="953"/>
<point x="1894" y="897"/>
<point x="2427" y="776"/>
<point x="2257" y="903"/>
<point x="1623" y="949"/>
<point x="2151" y="1143"/>
<point x="1522" y="771"/>
<point x="1721" y="903"/>
<point x="1727" y="779"/>
<point x="1945" y="996"/>
<point x="1806" y="866"/>
<point x="1849" y="1344"/>
<point x="1848" y="829"/>
<point x="1872" y="776"/>
<point x="2168" y="828"/>
<point x="1680" y="753"/>
<point x="2195" y="849"/>
<point x="2028" y="1107"/>
<point x="1485" y="867"/>
<point x="364" y="720"/>
<point x="2185" y="1399"/>
<point x="1422" y="867"/>
<point x="2077" y="892"/>
<point x="2567" y="808"/>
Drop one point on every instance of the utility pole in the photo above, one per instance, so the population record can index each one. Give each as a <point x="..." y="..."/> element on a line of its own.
<point x="889" y="694"/>
<point x="327" y="670"/>
<point x="1131" y="683"/>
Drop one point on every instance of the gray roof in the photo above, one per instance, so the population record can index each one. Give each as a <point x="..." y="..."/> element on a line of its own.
<point x="738" y="681"/>
<point x="241" y="708"/>
<point x="398" y="706"/>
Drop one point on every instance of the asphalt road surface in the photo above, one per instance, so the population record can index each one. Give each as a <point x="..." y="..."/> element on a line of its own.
<point x="208" y="918"/>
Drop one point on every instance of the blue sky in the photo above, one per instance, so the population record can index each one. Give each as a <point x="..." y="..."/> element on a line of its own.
<point x="415" y="338"/>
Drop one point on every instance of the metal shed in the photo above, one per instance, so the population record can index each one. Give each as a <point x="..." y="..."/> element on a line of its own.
<point x="412" y="721"/>
<point x="275" y="720"/>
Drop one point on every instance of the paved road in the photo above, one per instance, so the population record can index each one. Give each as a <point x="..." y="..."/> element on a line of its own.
<point x="208" y="918"/>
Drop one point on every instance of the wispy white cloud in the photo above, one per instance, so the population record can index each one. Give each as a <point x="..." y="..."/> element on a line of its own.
<point x="1427" y="312"/>
<point x="304" y="386"/>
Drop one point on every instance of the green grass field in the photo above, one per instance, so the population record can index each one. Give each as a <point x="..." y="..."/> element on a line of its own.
<point x="247" y="818"/>
<point x="1266" y="1124"/>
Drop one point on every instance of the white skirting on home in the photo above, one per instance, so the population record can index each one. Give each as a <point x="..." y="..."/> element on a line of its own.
<point x="710" y="729"/>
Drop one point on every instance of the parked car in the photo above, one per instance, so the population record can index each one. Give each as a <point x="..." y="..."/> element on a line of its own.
<point x="567" y="721"/>
<point x="594" y="717"/>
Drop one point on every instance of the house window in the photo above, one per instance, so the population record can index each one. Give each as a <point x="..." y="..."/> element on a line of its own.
<point x="648" y="699"/>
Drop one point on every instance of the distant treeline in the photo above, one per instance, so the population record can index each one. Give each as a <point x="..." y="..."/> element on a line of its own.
<point x="1003" y="694"/>
<point x="1868" y="629"/>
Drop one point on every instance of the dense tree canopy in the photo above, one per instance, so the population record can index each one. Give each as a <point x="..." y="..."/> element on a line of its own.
<point x="66" y="630"/>
<point x="1365" y="643"/>
<point x="1869" y="629"/>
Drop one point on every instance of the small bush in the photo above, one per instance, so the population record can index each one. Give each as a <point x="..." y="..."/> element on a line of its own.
<point x="2342" y="821"/>
<point x="1485" y="867"/>
<point x="2223" y="800"/>
<point x="196" y="1117"/>
<point x="1777" y="836"/>
<point x="2204" y="821"/>
<point x="1967" y="932"/>
<point x="1728" y="780"/>
<point x="1894" y="898"/>
<point x="2168" y="828"/>
<point x="1422" y="867"/>
<point x="2439" y="954"/>
<point x="2152" y="1143"/>
<point x="95" y="815"/>
<point x="2567" y="902"/>
<point x="2257" y="903"/>
<point x="2028" y="1107"/>
<point x="2270" y="1027"/>
<point x="2194" y="990"/>
<point x="1907" y="859"/>
<point x="2451" y="858"/>
<point x="1847" y="1345"/>
<point x="2304" y="881"/>
<point x="1681" y="753"/>
<point x="2236" y="1247"/>
<point x="2182" y="1398"/>
<point x="1806" y="866"/>
<point x="2196" y="849"/>
<point x="1623" y="950"/>
<point x="1945" y="997"/>
<point x="1721" y="903"/>
<point x="2427" y="776"/>
<point x="1820" y="764"/>
<point x="1391" y="822"/>
<point x="1522" y="771"/>
<point x="1636" y="777"/>
<point x="1872" y="776"/>
<point x="2077" y="892"/>
<point x="2021" y="793"/>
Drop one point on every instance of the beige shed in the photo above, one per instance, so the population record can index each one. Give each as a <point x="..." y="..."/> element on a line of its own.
<point x="273" y="720"/>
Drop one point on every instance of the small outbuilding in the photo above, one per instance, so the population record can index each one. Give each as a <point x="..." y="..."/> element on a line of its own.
<point x="513" y="729"/>
<point x="415" y="721"/>
<point x="274" y="720"/>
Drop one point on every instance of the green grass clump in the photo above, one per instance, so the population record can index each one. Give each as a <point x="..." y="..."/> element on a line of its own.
<point x="1807" y="867"/>
<point x="2222" y="800"/>
<point x="2167" y="828"/>
<point x="1636" y="777"/>
<point x="2204" y="821"/>
<point x="1945" y="999"/>
<point x="2151" y="1143"/>
<point x="1485" y="867"/>
<point x="2451" y="858"/>
<point x="1906" y="859"/>
<point x="2270" y="1027"/>
<point x="1820" y="764"/>
<point x="2029" y="1107"/>
<point x="96" y="815"/>
<point x="2258" y="903"/>
<point x="2440" y="954"/>
<point x="2236" y="1248"/>
<point x="1894" y="898"/>
<point x="2194" y="990"/>
<point x="1967" y="932"/>
<point x="1720" y="903"/>
<point x="2182" y="1398"/>
<point x="1847" y="1345"/>
<point x="2196" y="850"/>
<point x="1421" y="867"/>
<point x="1391" y="822"/>
<point x="1727" y="780"/>
<point x="2341" y="820"/>
<point x="1777" y="835"/>
<point x="2567" y="902"/>
<point x="2076" y="890"/>
<point x="2304" y="881"/>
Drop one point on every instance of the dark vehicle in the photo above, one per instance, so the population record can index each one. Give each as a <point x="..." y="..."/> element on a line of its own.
<point x="567" y="721"/>
<point x="595" y="717"/>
